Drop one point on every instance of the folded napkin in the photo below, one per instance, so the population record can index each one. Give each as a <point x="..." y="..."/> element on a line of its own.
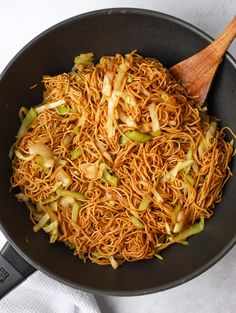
<point x="42" y="294"/>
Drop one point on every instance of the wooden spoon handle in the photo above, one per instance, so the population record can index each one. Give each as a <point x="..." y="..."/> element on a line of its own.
<point x="197" y="72"/>
<point x="221" y="44"/>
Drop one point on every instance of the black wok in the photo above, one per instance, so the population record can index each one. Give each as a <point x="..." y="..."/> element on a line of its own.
<point x="107" y="32"/>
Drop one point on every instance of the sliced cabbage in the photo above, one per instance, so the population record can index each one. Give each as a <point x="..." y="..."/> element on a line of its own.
<point x="74" y="194"/>
<point x="75" y="211"/>
<point x="206" y="141"/>
<point x="136" y="222"/>
<point x="27" y="121"/>
<point x="128" y="120"/>
<point x="63" y="177"/>
<point x="51" y="105"/>
<point x="113" y="262"/>
<point x="180" y="166"/>
<point x="144" y="204"/>
<point x="136" y="136"/>
<point x="107" y="176"/>
<point x="107" y="87"/>
<point x="43" y="220"/>
<point x="128" y="99"/>
<point x="91" y="170"/>
<point x="62" y="110"/>
<point x="22" y="157"/>
<point x="84" y="59"/>
<point x="154" y="118"/>
<point x="113" y="100"/>
<point x="75" y="154"/>
<point x="192" y="230"/>
<point x="21" y="197"/>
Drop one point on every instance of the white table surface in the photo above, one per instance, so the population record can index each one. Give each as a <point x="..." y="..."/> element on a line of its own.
<point x="21" y="20"/>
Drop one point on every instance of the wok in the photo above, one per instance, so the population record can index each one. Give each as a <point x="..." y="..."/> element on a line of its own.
<point x="107" y="32"/>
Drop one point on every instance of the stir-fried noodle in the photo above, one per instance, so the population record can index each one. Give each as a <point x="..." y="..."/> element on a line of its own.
<point x="119" y="162"/>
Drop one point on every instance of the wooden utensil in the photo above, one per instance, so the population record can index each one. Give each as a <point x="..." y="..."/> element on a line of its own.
<point x="197" y="72"/>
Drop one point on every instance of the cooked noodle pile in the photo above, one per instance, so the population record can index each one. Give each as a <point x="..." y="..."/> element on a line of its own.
<point x="118" y="162"/>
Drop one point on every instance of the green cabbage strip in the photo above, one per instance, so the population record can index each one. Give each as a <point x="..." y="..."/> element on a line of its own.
<point x="144" y="204"/>
<point x="75" y="154"/>
<point x="62" y="110"/>
<point x="136" y="222"/>
<point x="192" y="230"/>
<point x="27" y="121"/>
<point x="74" y="194"/>
<point x="84" y="59"/>
<point x="136" y="136"/>
<point x="106" y="176"/>
<point x="113" y="262"/>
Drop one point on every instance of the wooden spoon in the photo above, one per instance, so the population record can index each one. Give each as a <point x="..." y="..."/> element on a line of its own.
<point x="197" y="72"/>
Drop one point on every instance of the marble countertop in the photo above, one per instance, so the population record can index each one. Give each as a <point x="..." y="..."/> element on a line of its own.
<point x="215" y="290"/>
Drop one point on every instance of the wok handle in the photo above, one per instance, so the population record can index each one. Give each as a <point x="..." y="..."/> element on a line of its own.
<point x="13" y="269"/>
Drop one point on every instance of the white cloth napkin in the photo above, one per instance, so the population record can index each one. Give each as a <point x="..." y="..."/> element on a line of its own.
<point x="42" y="294"/>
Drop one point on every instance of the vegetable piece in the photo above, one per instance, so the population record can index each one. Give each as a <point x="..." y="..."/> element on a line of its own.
<point x="205" y="142"/>
<point x="51" y="105"/>
<point x="51" y="199"/>
<point x="158" y="256"/>
<point x="129" y="79"/>
<point x="22" y="113"/>
<point x="62" y="110"/>
<point x="128" y="120"/>
<point x="106" y="88"/>
<point x="192" y="230"/>
<point x="164" y="96"/>
<point x="53" y="235"/>
<point x="44" y="219"/>
<point x="53" y="205"/>
<point x="154" y="118"/>
<point x="20" y="156"/>
<point x="136" y="222"/>
<point x="167" y="227"/>
<point x="82" y="120"/>
<point x="91" y="170"/>
<point x="136" y="136"/>
<point x="150" y="188"/>
<point x="75" y="211"/>
<point x="113" y="262"/>
<point x="190" y="179"/>
<point x="113" y="100"/>
<point x="75" y="154"/>
<point x="47" y="160"/>
<point x="156" y="133"/>
<point x="21" y="197"/>
<point x="53" y="230"/>
<point x="202" y="148"/>
<point x="106" y="176"/>
<point x="123" y="140"/>
<point x="175" y="213"/>
<point x="74" y="194"/>
<point x="27" y="121"/>
<point x="41" y="149"/>
<point x="63" y="177"/>
<point x="144" y="204"/>
<point x="180" y="166"/>
<point x="84" y="59"/>
<point x="50" y="227"/>
<point x="189" y="157"/>
<point x="30" y="117"/>
<point x="102" y="148"/>
<point x="40" y="161"/>
<point x="210" y="133"/>
<point x="124" y="96"/>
